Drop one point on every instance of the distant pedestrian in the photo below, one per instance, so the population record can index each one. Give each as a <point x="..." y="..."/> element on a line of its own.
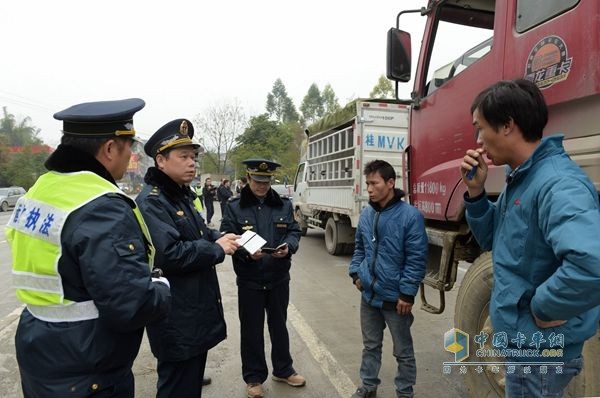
<point x="223" y="194"/>
<point x="388" y="265"/>
<point x="208" y="196"/>
<point x="242" y="183"/>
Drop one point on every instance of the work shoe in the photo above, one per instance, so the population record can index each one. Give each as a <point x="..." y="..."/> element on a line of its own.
<point x="362" y="392"/>
<point x="254" y="390"/>
<point x="294" y="380"/>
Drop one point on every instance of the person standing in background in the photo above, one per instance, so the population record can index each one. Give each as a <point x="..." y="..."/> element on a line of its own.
<point x="208" y="195"/>
<point x="223" y="194"/>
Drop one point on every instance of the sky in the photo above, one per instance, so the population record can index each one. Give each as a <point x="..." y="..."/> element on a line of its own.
<point x="182" y="57"/>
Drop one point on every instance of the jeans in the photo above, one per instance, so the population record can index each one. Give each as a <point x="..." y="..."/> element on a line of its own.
<point x="372" y="323"/>
<point x="535" y="381"/>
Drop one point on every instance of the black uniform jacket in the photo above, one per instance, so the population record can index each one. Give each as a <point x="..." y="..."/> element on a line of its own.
<point x="103" y="259"/>
<point x="274" y="221"/>
<point x="187" y="254"/>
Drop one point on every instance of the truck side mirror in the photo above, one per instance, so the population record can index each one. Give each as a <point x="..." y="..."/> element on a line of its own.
<point x="398" y="55"/>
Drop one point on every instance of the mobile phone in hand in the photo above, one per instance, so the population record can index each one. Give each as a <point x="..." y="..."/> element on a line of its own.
<point x="273" y="249"/>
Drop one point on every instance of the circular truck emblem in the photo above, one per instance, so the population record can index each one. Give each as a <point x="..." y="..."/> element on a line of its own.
<point x="548" y="62"/>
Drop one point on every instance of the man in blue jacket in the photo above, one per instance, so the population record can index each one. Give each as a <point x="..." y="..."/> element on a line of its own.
<point x="187" y="251"/>
<point x="388" y="264"/>
<point x="543" y="231"/>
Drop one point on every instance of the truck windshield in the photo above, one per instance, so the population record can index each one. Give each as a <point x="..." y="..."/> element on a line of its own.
<point x="462" y="36"/>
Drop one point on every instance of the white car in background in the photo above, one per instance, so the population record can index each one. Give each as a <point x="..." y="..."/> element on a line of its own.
<point x="9" y="197"/>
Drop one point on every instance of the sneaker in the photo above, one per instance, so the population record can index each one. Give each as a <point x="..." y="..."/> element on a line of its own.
<point x="362" y="392"/>
<point x="254" y="390"/>
<point x="294" y="380"/>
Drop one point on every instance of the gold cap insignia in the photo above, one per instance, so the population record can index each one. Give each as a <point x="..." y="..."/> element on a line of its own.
<point x="263" y="166"/>
<point x="183" y="128"/>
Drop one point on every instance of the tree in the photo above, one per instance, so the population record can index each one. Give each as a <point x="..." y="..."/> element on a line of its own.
<point x="383" y="89"/>
<point x="312" y="104"/>
<point x="268" y="139"/>
<point x="219" y="126"/>
<point x="279" y="104"/>
<point x="18" y="133"/>
<point x="330" y="101"/>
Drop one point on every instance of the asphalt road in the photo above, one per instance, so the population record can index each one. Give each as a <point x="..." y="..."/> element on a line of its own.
<point x="323" y="321"/>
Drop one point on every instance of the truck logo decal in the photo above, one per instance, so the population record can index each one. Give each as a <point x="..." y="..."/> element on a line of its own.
<point x="548" y="62"/>
<point x="381" y="141"/>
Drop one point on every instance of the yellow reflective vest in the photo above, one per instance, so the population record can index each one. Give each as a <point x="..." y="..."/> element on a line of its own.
<point x="34" y="233"/>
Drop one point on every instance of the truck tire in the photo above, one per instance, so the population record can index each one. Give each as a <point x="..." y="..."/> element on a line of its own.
<point x="301" y="221"/>
<point x="472" y="316"/>
<point x="332" y="243"/>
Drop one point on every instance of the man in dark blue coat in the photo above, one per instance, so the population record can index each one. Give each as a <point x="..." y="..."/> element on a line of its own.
<point x="187" y="251"/>
<point x="263" y="278"/>
<point x="83" y="339"/>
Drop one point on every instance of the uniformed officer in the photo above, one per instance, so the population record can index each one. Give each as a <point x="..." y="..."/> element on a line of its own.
<point x="263" y="279"/>
<point x="187" y="251"/>
<point x="81" y="259"/>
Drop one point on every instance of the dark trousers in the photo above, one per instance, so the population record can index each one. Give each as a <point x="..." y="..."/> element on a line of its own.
<point x="210" y="209"/>
<point x="252" y="305"/>
<point x="182" y="378"/>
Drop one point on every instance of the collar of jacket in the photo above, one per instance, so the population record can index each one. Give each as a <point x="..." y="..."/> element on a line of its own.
<point x="398" y="195"/>
<point x="68" y="159"/>
<point x="549" y="146"/>
<point x="158" y="178"/>
<point x="247" y="198"/>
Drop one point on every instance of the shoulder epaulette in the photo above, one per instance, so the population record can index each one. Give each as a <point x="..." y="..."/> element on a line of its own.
<point x="233" y="198"/>
<point x="154" y="191"/>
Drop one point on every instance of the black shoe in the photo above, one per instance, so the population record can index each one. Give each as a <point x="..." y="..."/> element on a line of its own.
<point x="362" y="392"/>
<point x="206" y="381"/>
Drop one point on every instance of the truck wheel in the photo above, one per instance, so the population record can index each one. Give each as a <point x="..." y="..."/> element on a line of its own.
<point x="334" y="247"/>
<point x="345" y="236"/>
<point x="4" y="206"/>
<point x="472" y="316"/>
<point x="301" y="221"/>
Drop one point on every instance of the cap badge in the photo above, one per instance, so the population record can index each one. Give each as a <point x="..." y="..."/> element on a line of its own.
<point x="183" y="128"/>
<point x="129" y="126"/>
<point x="263" y="166"/>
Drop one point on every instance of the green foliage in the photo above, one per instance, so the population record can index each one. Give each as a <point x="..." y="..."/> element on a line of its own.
<point x="312" y="105"/>
<point x="330" y="101"/>
<point x="265" y="138"/>
<point x="20" y="169"/>
<point x="18" y="133"/>
<point x="383" y="89"/>
<point x="279" y="105"/>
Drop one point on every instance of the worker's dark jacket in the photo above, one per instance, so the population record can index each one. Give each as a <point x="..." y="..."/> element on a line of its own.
<point x="187" y="255"/>
<point x="274" y="221"/>
<point x="65" y="359"/>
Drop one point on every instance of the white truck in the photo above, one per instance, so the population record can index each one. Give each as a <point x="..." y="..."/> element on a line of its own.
<point x="329" y="189"/>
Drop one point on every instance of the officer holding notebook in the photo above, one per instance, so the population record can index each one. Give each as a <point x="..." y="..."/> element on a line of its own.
<point x="263" y="276"/>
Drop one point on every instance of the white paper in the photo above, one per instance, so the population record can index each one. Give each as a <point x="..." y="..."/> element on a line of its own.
<point x="251" y="241"/>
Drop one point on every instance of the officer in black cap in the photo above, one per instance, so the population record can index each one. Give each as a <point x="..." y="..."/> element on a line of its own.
<point x="88" y="290"/>
<point x="263" y="278"/>
<point x="187" y="251"/>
